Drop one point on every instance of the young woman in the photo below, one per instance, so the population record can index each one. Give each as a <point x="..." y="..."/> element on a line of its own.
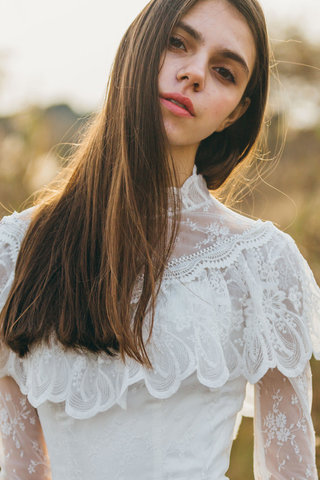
<point x="136" y="306"/>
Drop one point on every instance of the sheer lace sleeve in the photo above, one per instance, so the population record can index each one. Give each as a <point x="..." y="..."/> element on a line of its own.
<point x="23" y="450"/>
<point x="24" y="453"/>
<point x="284" y="435"/>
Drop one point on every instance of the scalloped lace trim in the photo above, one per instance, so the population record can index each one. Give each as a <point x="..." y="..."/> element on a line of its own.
<point x="223" y="254"/>
<point x="239" y="309"/>
<point x="243" y="320"/>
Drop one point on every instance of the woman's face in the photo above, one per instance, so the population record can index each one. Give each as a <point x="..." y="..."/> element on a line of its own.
<point x="207" y="67"/>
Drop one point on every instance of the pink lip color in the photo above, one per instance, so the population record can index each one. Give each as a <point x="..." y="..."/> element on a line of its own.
<point x="179" y="111"/>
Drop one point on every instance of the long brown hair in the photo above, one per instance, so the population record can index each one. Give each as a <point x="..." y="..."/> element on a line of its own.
<point x="107" y="224"/>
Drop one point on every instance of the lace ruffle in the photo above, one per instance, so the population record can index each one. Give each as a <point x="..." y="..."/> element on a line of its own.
<point x="250" y="305"/>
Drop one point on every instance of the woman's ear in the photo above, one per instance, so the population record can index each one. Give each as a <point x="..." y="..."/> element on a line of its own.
<point x="241" y="108"/>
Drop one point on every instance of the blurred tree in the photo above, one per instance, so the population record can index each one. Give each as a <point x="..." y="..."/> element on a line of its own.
<point x="33" y="144"/>
<point x="298" y="63"/>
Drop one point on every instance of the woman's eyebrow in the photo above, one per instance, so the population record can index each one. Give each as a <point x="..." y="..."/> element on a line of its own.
<point x="225" y="52"/>
<point x="191" y="31"/>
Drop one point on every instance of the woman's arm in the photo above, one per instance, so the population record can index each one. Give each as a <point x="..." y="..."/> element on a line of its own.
<point x="24" y="453"/>
<point x="284" y="434"/>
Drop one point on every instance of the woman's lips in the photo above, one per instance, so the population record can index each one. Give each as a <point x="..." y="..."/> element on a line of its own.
<point x="178" y="104"/>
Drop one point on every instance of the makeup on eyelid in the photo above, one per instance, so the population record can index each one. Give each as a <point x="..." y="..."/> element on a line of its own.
<point x="176" y="42"/>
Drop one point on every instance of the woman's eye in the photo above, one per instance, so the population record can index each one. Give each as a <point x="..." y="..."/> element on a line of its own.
<point x="176" y="43"/>
<point x="226" y="74"/>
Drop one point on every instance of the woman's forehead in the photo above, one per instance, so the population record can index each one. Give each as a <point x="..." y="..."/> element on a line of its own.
<point x="218" y="24"/>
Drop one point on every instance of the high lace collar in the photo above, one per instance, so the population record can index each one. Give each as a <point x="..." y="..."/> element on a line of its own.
<point x="194" y="191"/>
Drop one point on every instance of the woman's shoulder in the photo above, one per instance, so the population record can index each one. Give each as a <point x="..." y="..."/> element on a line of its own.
<point x="13" y="227"/>
<point x="241" y="224"/>
<point x="220" y="237"/>
<point x="12" y="231"/>
<point x="245" y="233"/>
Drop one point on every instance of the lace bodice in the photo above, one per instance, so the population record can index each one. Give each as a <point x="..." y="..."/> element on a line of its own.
<point x="237" y="304"/>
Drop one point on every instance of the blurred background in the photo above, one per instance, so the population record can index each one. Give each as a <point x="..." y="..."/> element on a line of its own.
<point x="54" y="62"/>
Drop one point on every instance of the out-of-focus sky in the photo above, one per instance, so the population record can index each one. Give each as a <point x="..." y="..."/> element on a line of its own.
<point x="62" y="50"/>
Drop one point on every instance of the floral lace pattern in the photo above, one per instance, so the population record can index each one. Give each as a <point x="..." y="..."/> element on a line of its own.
<point x="277" y="429"/>
<point x="23" y="448"/>
<point x="237" y="299"/>
<point x="248" y="273"/>
<point x="286" y="429"/>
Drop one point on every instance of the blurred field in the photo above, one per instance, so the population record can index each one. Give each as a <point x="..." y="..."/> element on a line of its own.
<point x="34" y="143"/>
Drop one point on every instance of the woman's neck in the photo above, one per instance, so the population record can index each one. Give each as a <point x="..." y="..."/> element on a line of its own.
<point x="183" y="159"/>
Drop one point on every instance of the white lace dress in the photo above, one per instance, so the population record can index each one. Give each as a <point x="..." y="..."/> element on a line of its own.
<point x="238" y="304"/>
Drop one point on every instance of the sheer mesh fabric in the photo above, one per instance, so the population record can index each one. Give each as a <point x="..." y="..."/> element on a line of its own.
<point x="24" y="453"/>
<point x="284" y="435"/>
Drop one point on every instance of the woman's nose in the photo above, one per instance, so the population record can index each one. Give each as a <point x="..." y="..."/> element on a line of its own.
<point x="192" y="75"/>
